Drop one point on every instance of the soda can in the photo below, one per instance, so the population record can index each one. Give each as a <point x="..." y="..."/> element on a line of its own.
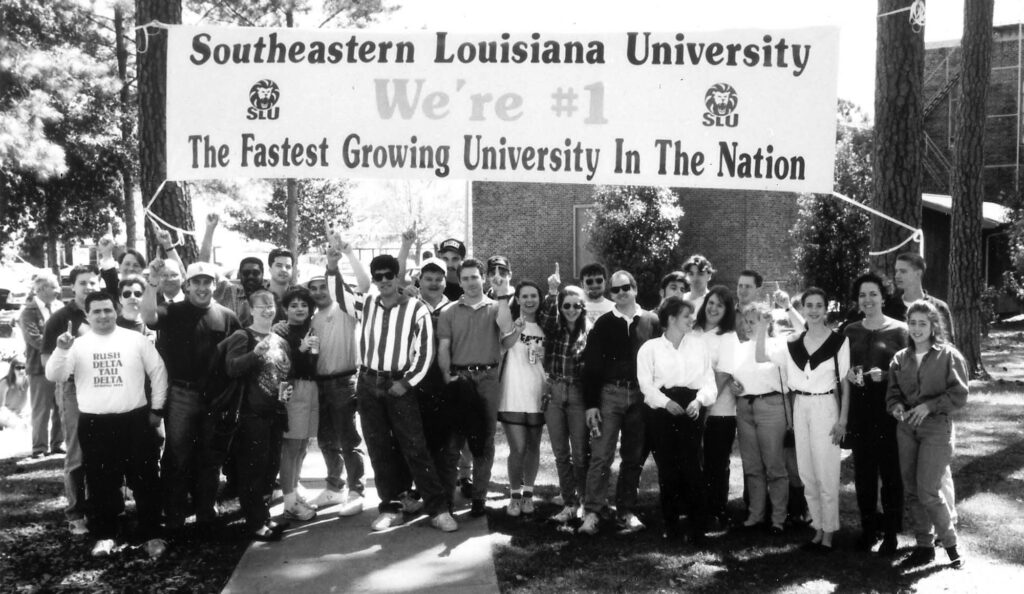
<point x="284" y="393"/>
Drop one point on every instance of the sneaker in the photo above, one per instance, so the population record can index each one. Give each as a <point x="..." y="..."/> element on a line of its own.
<point x="466" y="487"/>
<point x="921" y="556"/>
<point x="956" y="561"/>
<point x="327" y="498"/>
<point x="78" y="527"/>
<point x="387" y="520"/>
<point x="444" y="522"/>
<point x="567" y="514"/>
<point x="590" y="524"/>
<point x="352" y="504"/>
<point x="265" y="534"/>
<point x="630" y="524"/>
<point x="155" y="547"/>
<point x="300" y="511"/>
<point x="103" y="547"/>
<point x="478" y="508"/>
<point x="515" y="506"/>
<point x="410" y="504"/>
<point x="528" y="503"/>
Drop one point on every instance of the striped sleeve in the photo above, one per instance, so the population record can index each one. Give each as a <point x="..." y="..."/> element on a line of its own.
<point x="421" y="344"/>
<point x="399" y="339"/>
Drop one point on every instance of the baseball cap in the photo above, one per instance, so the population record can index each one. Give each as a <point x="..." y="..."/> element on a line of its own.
<point x="496" y="261"/>
<point x="453" y="245"/>
<point x="437" y="263"/>
<point x="200" y="269"/>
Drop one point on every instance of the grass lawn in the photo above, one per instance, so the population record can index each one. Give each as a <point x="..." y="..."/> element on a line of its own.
<point x="37" y="554"/>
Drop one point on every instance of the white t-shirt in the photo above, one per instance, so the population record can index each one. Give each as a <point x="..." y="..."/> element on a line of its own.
<point x="722" y="350"/>
<point x="522" y="382"/>
<point x="596" y="309"/>
<point x="337" y="332"/>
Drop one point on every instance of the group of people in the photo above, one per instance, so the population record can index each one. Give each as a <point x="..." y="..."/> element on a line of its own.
<point x="433" y="358"/>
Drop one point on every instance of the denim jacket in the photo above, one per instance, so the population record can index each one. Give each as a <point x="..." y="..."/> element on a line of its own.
<point x="940" y="382"/>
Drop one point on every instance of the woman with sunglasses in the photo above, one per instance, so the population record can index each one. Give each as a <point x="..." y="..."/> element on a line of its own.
<point x="716" y="323"/>
<point x="927" y="383"/>
<point x="130" y="290"/>
<point x="522" y="384"/>
<point x="259" y="357"/>
<point x="13" y="394"/>
<point x="816" y="364"/>
<point x="566" y="328"/>
<point x="874" y="340"/>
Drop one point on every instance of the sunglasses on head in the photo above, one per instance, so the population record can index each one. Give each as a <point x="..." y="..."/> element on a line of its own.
<point x="382" y="276"/>
<point x="568" y="306"/>
<point x="127" y="294"/>
<point x="594" y="281"/>
<point x="623" y="288"/>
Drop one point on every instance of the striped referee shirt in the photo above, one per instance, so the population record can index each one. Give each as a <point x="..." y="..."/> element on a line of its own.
<point x="397" y="339"/>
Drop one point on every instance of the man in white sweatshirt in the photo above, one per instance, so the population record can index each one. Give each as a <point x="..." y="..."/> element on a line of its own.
<point x="109" y="365"/>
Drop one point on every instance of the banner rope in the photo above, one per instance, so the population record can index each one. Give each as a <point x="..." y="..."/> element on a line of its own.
<point x="145" y="33"/>
<point x="916" y="233"/>
<point x="917" y="236"/>
<point x="916" y="16"/>
<point x="156" y="218"/>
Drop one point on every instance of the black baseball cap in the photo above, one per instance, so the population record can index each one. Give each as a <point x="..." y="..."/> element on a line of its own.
<point x="452" y="245"/>
<point x="496" y="261"/>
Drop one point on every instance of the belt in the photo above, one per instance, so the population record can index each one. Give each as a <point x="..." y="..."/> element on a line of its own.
<point x="333" y="376"/>
<point x="765" y="395"/>
<point x="800" y="393"/>
<point x="624" y="383"/>
<point x="563" y="379"/>
<point x="474" y="367"/>
<point x="187" y="385"/>
<point x="381" y="374"/>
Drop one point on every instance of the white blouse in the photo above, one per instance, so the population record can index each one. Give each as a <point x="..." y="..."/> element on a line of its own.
<point x="817" y="380"/>
<point x="759" y="378"/>
<point x="661" y="365"/>
<point x="722" y="349"/>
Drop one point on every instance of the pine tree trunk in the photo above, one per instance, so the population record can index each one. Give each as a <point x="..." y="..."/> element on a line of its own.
<point x="899" y="126"/>
<point x="966" y="264"/>
<point x="172" y="205"/>
<point x="126" y="125"/>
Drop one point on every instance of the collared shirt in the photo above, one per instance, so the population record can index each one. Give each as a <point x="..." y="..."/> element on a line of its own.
<point x="722" y="352"/>
<point x="758" y="378"/>
<point x="940" y="381"/>
<point x="472" y="330"/>
<point x="612" y="345"/>
<point x="816" y="372"/>
<point x="396" y="339"/>
<point x="659" y="364"/>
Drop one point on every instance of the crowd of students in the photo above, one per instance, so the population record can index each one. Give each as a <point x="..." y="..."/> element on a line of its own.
<point x="166" y="376"/>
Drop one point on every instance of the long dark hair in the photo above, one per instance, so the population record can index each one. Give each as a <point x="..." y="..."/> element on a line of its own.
<point x="523" y="284"/>
<point x="939" y="332"/>
<point x="581" y="322"/>
<point x="728" y="323"/>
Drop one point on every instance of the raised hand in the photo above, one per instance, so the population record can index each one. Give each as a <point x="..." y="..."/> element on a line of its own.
<point x="212" y="219"/>
<point x="409" y="235"/>
<point x="65" y="340"/>
<point x="554" y="281"/>
<point x="105" y="247"/>
<point x="781" y="299"/>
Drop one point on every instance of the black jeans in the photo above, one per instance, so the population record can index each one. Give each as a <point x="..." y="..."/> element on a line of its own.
<point x="876" y="457"/>
<point x="119" y="448"/>
<point x="719" y="434"/>
<point x="256" y="450"/>
<point x="675" y="443"/>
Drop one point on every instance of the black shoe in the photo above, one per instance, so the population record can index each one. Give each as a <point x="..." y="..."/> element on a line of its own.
<point x="776" y="530"/>
<point x="920" y="557"/>
<point x="478" y="509"/>
<point x="810" y="546"/>
<point x="265" y="534"/>
<point x="955" y="560"/>
<point x="466" y="487"/>
<point x="889" y="546"/>
<point x="57" y="452"/>
<point x="866" y="541"/>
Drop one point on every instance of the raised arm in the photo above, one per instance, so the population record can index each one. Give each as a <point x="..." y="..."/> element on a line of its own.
<point x="206" y="248"/>
<point x="148" y="307"/>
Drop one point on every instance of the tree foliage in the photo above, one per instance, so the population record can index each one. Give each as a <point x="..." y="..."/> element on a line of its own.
<point x="321" y="202"/>
<point x="831" y="237"/>
<point x="637" y="228"/>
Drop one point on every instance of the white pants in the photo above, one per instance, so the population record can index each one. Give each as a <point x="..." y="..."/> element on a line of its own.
<point x="818" y="458"/>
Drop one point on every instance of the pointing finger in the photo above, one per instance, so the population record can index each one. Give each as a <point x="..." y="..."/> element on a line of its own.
<point x="556" y="268"/>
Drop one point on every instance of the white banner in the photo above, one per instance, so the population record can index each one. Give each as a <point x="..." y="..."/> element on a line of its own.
<point x="752" y="110"/>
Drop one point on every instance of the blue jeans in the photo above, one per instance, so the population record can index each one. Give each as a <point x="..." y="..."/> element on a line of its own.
<point x="393" y="428"/>
<point x="180" y="465"/>
<point x="925" y="454"/>
<point x="337" y="437"/>
<point x="486" y="395"/>
<point x="74" y="470"/>
<point x="566" y="418"/>
<point x="622" y="409"/>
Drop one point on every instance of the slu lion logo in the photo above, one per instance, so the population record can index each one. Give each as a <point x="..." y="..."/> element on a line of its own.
<point x="263" y="97"/>
<point x="720" y="101"/>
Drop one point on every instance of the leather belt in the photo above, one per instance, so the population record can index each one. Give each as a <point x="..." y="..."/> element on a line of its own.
<point x="474" y="367"/>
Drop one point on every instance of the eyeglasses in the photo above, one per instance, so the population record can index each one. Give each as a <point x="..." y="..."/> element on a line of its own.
<point x="19" y="367"/>
<point x="568" y="306"/>
<point x="127" y="294"/>
<point x="623" y="288"/>
<point x="383" y="276"/>
<point x="594" y="281"/>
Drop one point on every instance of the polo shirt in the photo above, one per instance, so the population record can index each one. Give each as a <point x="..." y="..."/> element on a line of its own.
<point x="473" y="331"/>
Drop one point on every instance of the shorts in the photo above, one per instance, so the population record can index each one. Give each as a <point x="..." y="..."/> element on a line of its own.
<point x="303" y="410"/>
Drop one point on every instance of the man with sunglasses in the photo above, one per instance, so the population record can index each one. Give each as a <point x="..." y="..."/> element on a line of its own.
<point x="594" y="277"/>
<point x="397" y="349"/>
<point x="469" y="349"/>
<point x="614" y="403"/>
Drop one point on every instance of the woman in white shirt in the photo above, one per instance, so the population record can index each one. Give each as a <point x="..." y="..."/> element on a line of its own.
<point x="815" y="361"/>
<point x="716" y="321"/>
<point x="762" y="414"/>
<point x="674" y="374"/>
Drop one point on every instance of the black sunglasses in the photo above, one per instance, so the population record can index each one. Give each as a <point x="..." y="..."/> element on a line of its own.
<point x="382" y="276"/>
<point x="568" y="306"/>
<point x="594" y="281"/>
<point x="623" y="288"/>
<point x="127" y="294"/>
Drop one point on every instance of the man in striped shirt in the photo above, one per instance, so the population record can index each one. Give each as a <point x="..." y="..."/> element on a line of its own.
<point x="397" y="350"/>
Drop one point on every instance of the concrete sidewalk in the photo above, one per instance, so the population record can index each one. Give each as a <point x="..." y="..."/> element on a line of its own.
<point x="336" y="554"/>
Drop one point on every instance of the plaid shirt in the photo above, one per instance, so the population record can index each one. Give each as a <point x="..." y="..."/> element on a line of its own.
<point x="563" y="357"/>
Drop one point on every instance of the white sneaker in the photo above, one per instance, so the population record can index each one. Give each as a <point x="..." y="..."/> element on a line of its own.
<point x="515" y="507"/>
<point x="351" y="505"/>
<point x="410" y="505"/>
<point x="387" y="520"/>
<point x="528" y="504"/>
<point x="590" y="524"/>
<point x="301" y="493"/>
<point x="568" y="513"/>
<point x="327" y="498"/>
<point x="630" y="524"/>
<point x="78" y="527"/>
<point x="300" y="511"/>
<point x="444" y="522"/>
<point x="103" y="547"/>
